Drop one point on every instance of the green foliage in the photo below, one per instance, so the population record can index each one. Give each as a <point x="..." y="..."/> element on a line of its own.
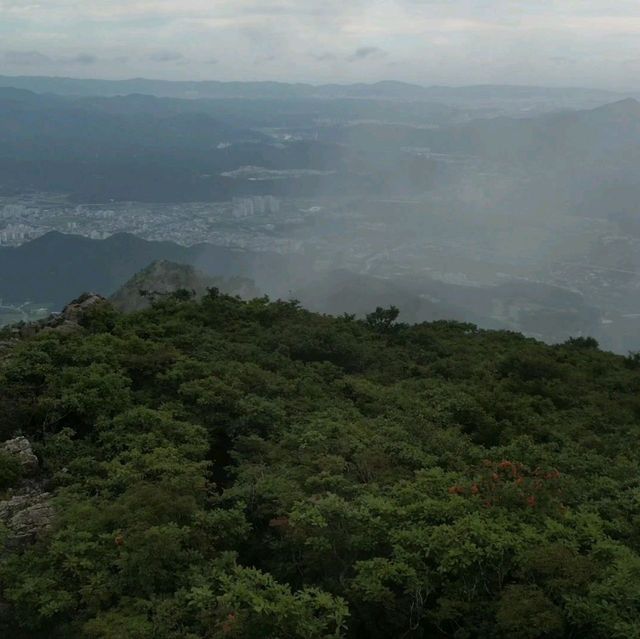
<point x="526" y="612"/>
<point x="383" y="319"/>
<point x="633" y="361"/>
<point x="229" y="469"/>
<point x="10" y="470"/>
<point x="583" y="342"/>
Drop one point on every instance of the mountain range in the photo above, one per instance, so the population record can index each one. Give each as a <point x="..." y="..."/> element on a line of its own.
<point x="493" y="179"/>
<point x="282" y="90"/>
<point x="142" y="148"/>
<point x="146" y="148"/>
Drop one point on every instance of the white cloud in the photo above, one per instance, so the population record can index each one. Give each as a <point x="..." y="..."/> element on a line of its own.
<point x="455" y="41"/>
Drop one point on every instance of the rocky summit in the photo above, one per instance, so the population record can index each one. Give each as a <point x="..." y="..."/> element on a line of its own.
<point x="163" y="277"/>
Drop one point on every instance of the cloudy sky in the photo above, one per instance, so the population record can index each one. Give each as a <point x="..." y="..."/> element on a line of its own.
<point x="553" y="42"/>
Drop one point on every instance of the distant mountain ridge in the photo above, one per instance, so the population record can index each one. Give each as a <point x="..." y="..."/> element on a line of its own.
<point x="546" y="140"/>
<point x="547" y="312"/>
<point x="146" y="148"/>
<point x="217" y="89"/>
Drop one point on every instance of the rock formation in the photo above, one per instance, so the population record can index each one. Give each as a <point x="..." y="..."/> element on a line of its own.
<point x="20" y="447"/>
<point x="68" y="321"/>
<point x="162" y="278"/>
<point x="26" y="510"/>
<point x="26" y="515"/>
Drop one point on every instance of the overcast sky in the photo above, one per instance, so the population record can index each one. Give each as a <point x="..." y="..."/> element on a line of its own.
<point x="552" y="42"/>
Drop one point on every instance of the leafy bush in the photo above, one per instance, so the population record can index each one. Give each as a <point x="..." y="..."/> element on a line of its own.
<point x="230" y="469"/>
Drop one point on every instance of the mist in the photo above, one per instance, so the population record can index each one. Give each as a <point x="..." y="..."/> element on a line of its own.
<point x="438" y="158"/>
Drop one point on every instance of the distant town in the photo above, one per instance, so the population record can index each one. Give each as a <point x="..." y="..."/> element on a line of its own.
<point x="244" y="222"/>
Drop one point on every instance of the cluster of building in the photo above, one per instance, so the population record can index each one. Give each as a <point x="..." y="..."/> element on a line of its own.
<point x="256" y="205"/>
<point x="252" y="221"/>
<point x="14" y="234"/>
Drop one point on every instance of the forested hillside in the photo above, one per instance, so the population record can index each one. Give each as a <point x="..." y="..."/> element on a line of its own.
<point x="252" y="470"/>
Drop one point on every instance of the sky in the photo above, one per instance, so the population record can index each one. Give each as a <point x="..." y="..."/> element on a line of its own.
<point x="544" y="42"/>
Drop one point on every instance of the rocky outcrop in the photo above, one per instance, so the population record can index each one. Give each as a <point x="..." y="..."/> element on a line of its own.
<point x="26" y="511"/>
<point x="20" y="448"/>
<point x="74" y="311"/>
<point x="26" y="515"/>
<point x="68" y="321"/>
<point x="163" y="278"/>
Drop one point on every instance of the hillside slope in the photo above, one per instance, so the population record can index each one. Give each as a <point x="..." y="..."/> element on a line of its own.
<point x="250" y="469"/>
<point x="57" y="267"/>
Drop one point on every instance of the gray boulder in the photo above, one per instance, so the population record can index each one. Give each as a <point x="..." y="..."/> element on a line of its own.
<point x="26" y="512"/>
<point x="73" y="312"/>
<point x="20" y="447"/>
<point x="66" y="322"/>
<point x="26" y="516"/>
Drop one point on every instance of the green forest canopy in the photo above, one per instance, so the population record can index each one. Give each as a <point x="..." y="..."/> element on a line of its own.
<point x="253" y="470"/>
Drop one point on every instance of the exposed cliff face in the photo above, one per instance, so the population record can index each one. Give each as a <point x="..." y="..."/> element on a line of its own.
<point x="20" y="449"/>
<point x="26" y="515"/>
<point x="163" y="278"/>
<point x="68" y="321"/>
<point x="25" y="511"/>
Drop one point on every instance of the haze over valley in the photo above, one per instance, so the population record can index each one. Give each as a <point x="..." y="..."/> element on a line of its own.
<point x="510" y="207"/>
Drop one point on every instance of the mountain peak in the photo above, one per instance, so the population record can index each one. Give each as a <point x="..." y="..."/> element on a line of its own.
<point x="159" y="278"/>
<point x="164" y="277"/>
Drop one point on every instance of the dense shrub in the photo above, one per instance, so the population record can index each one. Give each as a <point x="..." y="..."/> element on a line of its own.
<point x="250" y="470"/>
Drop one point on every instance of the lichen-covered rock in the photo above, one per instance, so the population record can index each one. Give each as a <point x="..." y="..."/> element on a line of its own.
<point x="164" y="278"/>
<point x="72" y="313"/>
<point x="66" y="322"/>
<point x="20" y="448"/>
<point x="26" y="515"/>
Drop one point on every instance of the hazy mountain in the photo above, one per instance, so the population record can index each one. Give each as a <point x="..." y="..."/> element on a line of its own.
<point x="342" y="291"/>
<point x="582" y="162"/>
<point x="380" y="90"/>
<point x="161" y="153"/>
<point x="56" y="267"/>
<point x="50" y="125"/>
<point x="610" y="132"/>
<point x="163" y="277"/>
<point x="140" y="147"/>
<point x="556" y="138"/>
<point x="547" y="312"/>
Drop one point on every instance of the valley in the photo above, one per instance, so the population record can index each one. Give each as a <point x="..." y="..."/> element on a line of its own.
<point x="510" y="218"/>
